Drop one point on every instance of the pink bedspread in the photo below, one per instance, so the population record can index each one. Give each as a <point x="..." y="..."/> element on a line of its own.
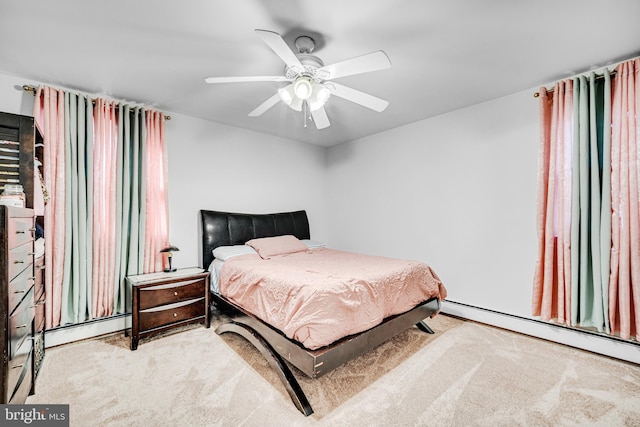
<point x="321" y="295"/>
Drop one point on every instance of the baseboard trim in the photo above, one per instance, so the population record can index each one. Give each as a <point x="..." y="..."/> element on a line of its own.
<point x="628" y="351"/>
<point x="78" y="332"/>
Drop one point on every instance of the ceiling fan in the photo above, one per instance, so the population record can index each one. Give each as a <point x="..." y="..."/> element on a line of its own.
<point x="310" y="82"/>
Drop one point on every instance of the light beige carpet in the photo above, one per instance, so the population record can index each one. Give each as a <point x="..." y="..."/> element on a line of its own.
<point x="466" y="374"/>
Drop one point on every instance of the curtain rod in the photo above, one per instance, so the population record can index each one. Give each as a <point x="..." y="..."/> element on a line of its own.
<point x="612" y="74"/>
<point x="29" y="88"/>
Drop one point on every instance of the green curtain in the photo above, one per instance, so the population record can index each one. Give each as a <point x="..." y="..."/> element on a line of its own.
<point x="77" y="270"/>
<point x="591" y="202"/>
<point x="130" y="200"/>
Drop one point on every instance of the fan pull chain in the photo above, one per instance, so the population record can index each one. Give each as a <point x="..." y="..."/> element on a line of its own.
<point x="305" y="113"/>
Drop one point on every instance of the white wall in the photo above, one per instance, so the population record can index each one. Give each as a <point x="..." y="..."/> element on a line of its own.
<point x="218" y="167"/>
<point x="457" y="191"/>
<point x="13" y="99"/>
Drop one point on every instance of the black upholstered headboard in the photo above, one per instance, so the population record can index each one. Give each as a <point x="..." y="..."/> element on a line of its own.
<point x="226" y="228"/>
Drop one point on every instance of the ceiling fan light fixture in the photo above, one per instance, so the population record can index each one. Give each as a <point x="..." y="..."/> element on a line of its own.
<point x="287" y="95"/>
<point x="319" y="96"/>
<point x="296" y="104"/>
<point x="303" y="87"/>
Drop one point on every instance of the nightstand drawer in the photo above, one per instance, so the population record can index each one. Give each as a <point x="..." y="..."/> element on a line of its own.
<point x="166" y="300"/>
<point x="154" y="296"/>
<point x="156" y="317"/>
<point x="20" y="230"/>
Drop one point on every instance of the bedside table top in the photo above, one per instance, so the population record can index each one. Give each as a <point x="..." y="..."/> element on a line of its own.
<point x="161" y="275"/>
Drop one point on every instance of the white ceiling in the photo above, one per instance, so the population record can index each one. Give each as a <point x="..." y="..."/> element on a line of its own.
<point x="445" y="54"/>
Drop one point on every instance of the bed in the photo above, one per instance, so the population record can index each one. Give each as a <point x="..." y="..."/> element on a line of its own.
<point x="314" y="356"/>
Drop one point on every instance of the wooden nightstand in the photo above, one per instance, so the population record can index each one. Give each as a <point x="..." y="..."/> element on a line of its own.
<point x="163" y="301"/>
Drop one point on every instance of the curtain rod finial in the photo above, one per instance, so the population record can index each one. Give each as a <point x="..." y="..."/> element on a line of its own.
<point x="537" y="94"/>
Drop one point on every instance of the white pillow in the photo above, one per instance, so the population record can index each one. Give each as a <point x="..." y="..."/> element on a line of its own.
<point x="313" y="243"/>
<point x="223" y="253"/>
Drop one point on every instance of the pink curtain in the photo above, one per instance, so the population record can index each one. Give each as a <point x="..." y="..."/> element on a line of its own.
<point x="157" y="221"/>
<point x="624" y="283"/>
<point x="49" y="114"/>
<point x="104" y="202"/>
<point x="552" y="281"/>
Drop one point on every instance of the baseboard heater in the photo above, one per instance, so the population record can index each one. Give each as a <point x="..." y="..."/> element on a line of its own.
<point x="606" y="345"/>
<point x="65" y="334"/>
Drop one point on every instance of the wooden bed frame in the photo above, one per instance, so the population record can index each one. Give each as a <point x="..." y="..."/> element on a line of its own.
<point x="223" y="229"/>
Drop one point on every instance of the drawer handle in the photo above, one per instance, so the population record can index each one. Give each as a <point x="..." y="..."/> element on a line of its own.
<point x="175" y="293"/>
<point x="31" y="253"/>
<point x="175" y="314"/>
<point x="21" y="326"/>
<point x="21" y="291"/>
<point x="18" y="261"/>
<point x="31" y="230"/>
<point x="18" y="366"/>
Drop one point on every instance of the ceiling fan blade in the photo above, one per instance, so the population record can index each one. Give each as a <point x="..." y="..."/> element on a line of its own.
<point x="279" y="46"/>
<point x="241" y="79"/>
<point x="260" y="109"/>
<point x="320" y="118"/>
<point x="364" y="99"/>
<point x="373" y="61"/>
